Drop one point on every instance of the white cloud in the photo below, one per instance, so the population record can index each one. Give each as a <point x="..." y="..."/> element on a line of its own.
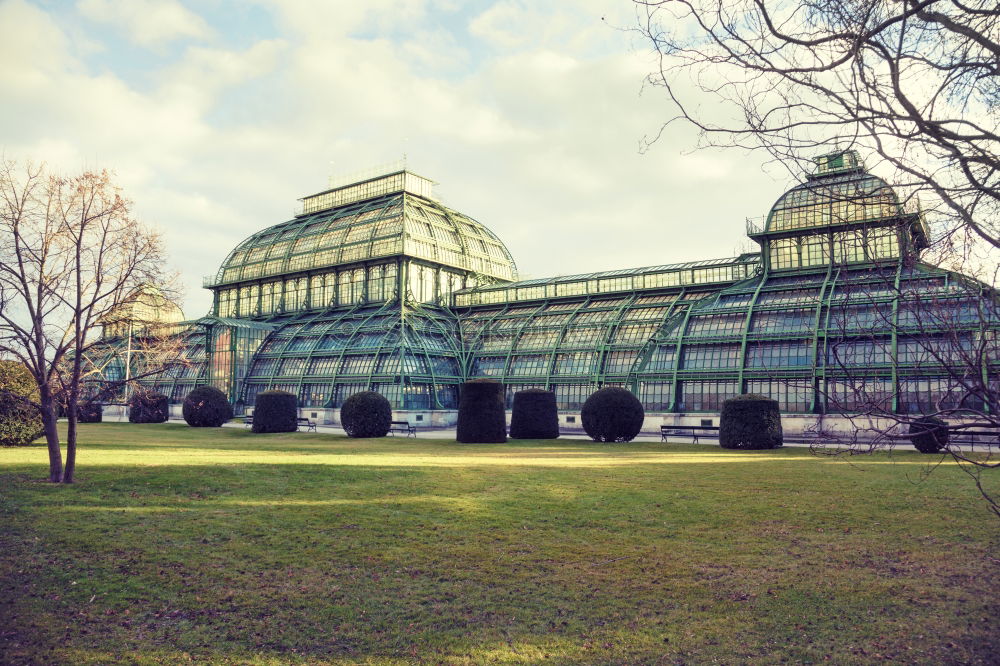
<point x="539" y="141"/>
<point x="148" y="23"/>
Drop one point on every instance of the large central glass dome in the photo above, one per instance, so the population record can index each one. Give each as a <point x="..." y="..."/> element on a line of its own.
<point x="388" y="216"/>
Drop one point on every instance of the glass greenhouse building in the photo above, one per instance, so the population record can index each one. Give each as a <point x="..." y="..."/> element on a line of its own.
<point x="376" y="285"/>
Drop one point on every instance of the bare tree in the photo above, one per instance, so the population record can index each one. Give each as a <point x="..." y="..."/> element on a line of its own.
<point x="71" y="253"/>
<point x="912" y="81"/>
<point x="898" y="352"/>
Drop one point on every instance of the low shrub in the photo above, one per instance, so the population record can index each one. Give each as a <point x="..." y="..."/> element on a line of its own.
<point x="612" y="415"/>
<point x="148" y="407"/>
<point x="206" y="407"/>
<point x="534" y="415"/>
<point x="750" y="422"/>
<point x="481" y="415"/>
<point x="929" y="434"/>
<point x="20" y="423"/>
<point x="89" y="412"/>
<point x="366" y="414"/>
<point x="275" y="411"/>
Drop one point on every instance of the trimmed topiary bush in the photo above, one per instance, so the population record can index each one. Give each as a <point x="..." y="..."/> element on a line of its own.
<point x="89" y="412"/>
<point x="929" y="434"/>
<point x="534" y="415"/>
<point x="148" y="407"/>
<point x="612" y="415"/>
<point x="750" y="422"/>
<point x="206" y="407"/>
<point x="20" y="424"/>
<point x="366" y="414"/>
<point x="481" y="415"/>
<point x="275" y="411"/>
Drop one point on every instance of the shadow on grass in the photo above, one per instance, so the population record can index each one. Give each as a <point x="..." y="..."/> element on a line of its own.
<point x="326" y="562"/>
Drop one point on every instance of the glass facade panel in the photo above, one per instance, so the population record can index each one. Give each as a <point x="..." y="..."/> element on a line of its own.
<point x="858" y="394"/>
<point x="656" y="396"/>
<point x="401" y="293"/>
<point x="703" y="357"/>
<point x="529" y="364"/>
<point x="794" y="396"/>
<point x="705" y="396"/>
<point x="619" y="362"/>
<point x="932" y="395"/>
<point x="715" y="325"/>
<point x="782" y="321"/>
<point x="859" y="353"/>
<point x="572" y="396"/>
<point x="578" y="363"/>
<point x="779" y="355"/>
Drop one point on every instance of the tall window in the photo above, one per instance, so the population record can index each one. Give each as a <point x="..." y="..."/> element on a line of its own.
<point x="705" y="396"/>
<point x="779" y="355"/>
<point x="711" y="357"/>
<point x="656" y="396"/>
<point x="792" y="395"/>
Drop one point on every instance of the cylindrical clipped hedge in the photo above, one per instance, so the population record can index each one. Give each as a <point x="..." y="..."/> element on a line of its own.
<point x="481" y="415"/>
<point x="366" y="414"/>
<point x="612" y="415"/>
<point x="89" y="412"/>
<point x="275" y="411"/>
<point x="206" y="407"/>
<point x="148" y="407"/>
<point x="20" y="423"/>
<point x="929" y="434"/>
<point x="534" y="415"/>
<point x="750" y="421"/>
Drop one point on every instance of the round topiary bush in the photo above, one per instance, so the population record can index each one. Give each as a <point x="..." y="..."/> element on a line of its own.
<point x="148" y="407"/>
<point x="481" y="415"/>
<point x="929" y="434"/>
<point x="275" y="411"/>
<point x="750" y="421"/>
<point x="366" y="414"/>
<point x="206" y="407"/>
<point x="89" y="412"/>
<point x="612" y="415"/>
<point x="20" y="423"/>
<point x="534" y="415"/>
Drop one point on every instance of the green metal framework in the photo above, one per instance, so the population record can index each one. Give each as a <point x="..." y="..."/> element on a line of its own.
<point x="377" y="286"/>
<point x="171" y="369"/>
<point x="574" y="344"/>
<point x="830" y="341"/>
<point x="407" y="352"/>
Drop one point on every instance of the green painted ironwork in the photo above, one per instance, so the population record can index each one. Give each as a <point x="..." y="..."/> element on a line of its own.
<point x="387" y="289"/>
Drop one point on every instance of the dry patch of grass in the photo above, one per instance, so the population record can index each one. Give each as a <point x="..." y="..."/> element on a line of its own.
<point x="219" y="546"/>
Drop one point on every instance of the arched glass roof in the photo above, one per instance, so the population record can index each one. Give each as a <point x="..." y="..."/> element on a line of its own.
<point x="831" y="199"/>
<point x="410" y="354"/>
<point x="822" y="341"/>
<point x="400" y="223"/>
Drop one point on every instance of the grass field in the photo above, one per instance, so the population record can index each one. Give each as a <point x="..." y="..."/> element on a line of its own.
<point x="219" y="546"/>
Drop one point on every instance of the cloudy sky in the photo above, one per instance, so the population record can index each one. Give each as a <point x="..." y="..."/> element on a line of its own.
<point x="217" y="115"/>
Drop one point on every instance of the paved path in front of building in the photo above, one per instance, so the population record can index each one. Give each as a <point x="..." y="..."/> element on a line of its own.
<point x="574" y="434"/>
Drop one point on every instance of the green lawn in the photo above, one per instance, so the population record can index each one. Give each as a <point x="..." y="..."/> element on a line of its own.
<point x="219" y="546"/>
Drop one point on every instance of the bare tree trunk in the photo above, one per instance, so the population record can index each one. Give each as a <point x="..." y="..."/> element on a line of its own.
<point x="70" y="452"/>
<point x="72" y="417"/>
<point x="51" y="430"/>
<point x="52" y="441"/>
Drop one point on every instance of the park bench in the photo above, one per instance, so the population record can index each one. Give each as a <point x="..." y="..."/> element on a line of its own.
<point x="403" y="427"/>
<point x="692" y="431"/>
<point x="988" y="435"/>
<point x="299" y="422"/>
